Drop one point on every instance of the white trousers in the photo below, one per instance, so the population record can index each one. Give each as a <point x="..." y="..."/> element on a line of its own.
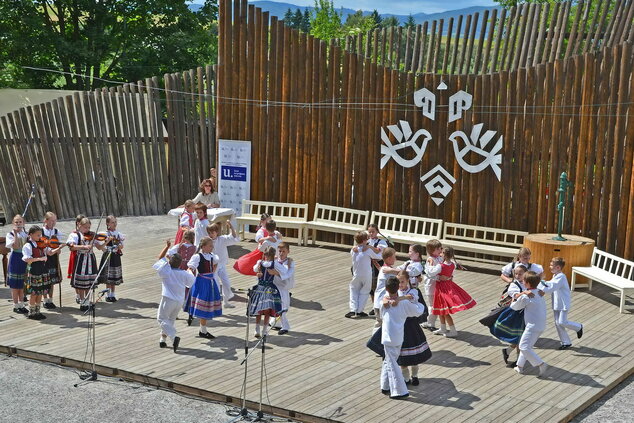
<point x="562" y="323"/>
<point x="429" y="299"/>
<point x="391" y="374"/>
<point x="166" y="316"/>
<point x="527" y="342"/>
<point x="223" y="277"/>
<point x="359" y="292"/>
<point x="286" y="303"/>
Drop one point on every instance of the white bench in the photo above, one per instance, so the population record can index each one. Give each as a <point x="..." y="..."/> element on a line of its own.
<point x="286" y="215"/>
<point x="483" y="240"/>
<point x="336" y="219"/>
<point x="407" y="229"/>
<point x="609" y="270"/>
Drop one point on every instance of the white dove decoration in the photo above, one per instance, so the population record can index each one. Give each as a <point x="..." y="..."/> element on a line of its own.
<point x="491" y="158"/>
<point x="404" y="140"/>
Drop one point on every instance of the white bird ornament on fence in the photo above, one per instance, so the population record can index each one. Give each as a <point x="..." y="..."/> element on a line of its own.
<point x="470" y="144"/>
<point x="405" y="139"/>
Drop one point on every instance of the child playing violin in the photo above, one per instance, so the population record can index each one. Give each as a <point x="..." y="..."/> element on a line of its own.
<point x="73" y="257"/>
<point x="82" y="242"/>
<point x="112" y="274"/>
<point x="52" y="236"/>
<point x="17" y="268"/>
<point x="35" y="253"/>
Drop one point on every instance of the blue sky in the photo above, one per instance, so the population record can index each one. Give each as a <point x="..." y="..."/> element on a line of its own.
<point x="399" y="7"/>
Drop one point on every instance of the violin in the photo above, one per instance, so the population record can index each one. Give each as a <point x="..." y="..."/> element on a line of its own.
<point x="46" y="242"/>
<point x="91" y="236"/>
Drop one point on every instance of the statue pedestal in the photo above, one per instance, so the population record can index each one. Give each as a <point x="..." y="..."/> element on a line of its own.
<point x="576" y="251"/>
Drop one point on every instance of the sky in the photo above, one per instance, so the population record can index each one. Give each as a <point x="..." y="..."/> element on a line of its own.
<point x="399" y="7"/>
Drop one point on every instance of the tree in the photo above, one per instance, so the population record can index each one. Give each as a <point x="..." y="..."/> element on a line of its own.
<point x="410" y="23"/>
<point x="298" y="17"/>
<point x="389" y="21"/>
<point x="376" y="18"/>
<point x="325" y="22"/>
<point x="109" y="39"/>
<point x="306" y="22"/>
<point x="357" y="23"/>
<point x="288" y="17"/>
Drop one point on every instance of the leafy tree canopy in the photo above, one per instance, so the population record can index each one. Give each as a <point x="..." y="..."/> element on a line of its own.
<point x="123" y="40"/>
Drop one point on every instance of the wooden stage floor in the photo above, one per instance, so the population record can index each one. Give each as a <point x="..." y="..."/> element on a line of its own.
<point x="322" y="370"/>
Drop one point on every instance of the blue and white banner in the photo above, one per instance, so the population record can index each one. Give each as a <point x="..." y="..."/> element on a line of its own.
<point x="234" y="172"/>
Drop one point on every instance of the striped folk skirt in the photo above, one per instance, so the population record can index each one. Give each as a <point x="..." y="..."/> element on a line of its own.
<point x="265" y="298"/>
<point x="112" y="273"/>
<point x="85" y="270"/>
<point x="205" y="301"/>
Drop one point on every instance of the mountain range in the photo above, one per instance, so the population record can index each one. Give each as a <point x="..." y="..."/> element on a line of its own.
<point x="279" y="9"/>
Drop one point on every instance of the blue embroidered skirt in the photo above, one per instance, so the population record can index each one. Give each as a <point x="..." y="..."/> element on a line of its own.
<point x="509" y="326"/>
<point x="265" y="297"/>
<point x="16" y="271"/>
<point x="205" y="299"/>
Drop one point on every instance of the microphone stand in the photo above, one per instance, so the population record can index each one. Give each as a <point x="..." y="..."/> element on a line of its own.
<point x="243" y="411"/>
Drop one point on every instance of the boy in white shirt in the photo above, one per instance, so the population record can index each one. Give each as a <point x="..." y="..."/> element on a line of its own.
<point x="200" y="227"/>
<point x="393" y="313"/>
<point x="221" y="242"/>
<point x="535" y="319"/>
<point x="174" y="281"/>
<point x="361" y="282"/>
<point x="386" y="272"/>
<point x="560" y="291"/>
<point x="285" y="281"/>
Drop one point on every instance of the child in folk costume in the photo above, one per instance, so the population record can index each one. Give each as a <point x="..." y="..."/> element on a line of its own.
<point x="72" y="258"/>
<point x="82" y="242"/>
<point x="535" y="319"/>
<point x="265" y="298"/>
<point x="449" y="298"/>
<point x="112" y="272"/>
<point x="35" y="253"/>
<point x="377" y="245"/>
<point x="284" y="282"/>
<point x="361" y="282"/>
<point x="414" y="268"/>
<point x="265" y="237"/>
<point x="186" y="221"/>
<point x="432" y="269"/>
<point x="200" y="227"/>
<point x="394" y="313"/>
<point x="174" y="280"/>
<point x="561" y="302"/>
<point x="186" y="249"/>
<point x="221" y="242"/>
<point x="16" y="270"/>
<point x="415" y="349"/>
<point x="510" y="324"/>
<point x="206" y="302"/>
<point x="523" y="257"/>
<point x="386" y="272"/>
<point x="53" y="236"/>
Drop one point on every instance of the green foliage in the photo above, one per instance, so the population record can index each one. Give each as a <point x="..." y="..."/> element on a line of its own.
<point x="511" y="3"/>
<point x="357" y="23"/>
<point x="389" y="21"/>
<point x="325" y="22"/>
<point x="123" y="40"/>
<point x="410" y="23"/>
<point x="376" y="19"/>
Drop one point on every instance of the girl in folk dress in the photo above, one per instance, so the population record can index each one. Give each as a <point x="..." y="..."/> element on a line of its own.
<point x="265" y="297"/>
<point x="52" y="234"/>
<point x="523" y="257"/>
<point x="82" y="241"/>
<point x="35" y="253"/>
<point x="112" y="273"/>
<point x="449" y="298"/>
<point x="17" y="268"/>
<point x="187" y="220"/>
<point x="266" y="237"/>
<point x="206" y="302"/>
<point x="73" y="254"/>
<point x="415" y="270"/>
<point x="415" y="349"/>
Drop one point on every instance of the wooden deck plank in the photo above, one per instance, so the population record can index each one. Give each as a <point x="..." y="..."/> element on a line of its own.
<point x="322" y="366"/>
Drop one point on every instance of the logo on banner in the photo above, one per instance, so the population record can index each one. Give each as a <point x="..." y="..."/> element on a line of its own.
<point x="474" y="153"/>
<point x="234" y="173"/>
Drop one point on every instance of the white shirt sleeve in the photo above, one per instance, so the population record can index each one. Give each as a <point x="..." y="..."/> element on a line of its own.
<point x="189" y="279"/>
<point x="184" y="220"/>
<point x="73" y="239"/>
<point x="10" y="240"/>
<point x="27" y="252"/>
<point x="256" y="268"/>
<point x="173" y="250"/>
<point x="194" y="262"/>
<point x="162" y="267"/>
<point x="520" y="302"/>
<point x="259" y="235"/>
<point x="433" y="271"/>
<point x="283" y="271"/>
<point x="507" y="270"/>
<point x="229" y="240"/>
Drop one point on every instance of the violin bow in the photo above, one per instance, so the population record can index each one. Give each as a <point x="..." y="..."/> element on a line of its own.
<point x="28" y="203"/>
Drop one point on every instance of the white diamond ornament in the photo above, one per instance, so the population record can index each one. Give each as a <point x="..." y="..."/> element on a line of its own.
<point x="440" y="181"/>
<point x="441" y="86"/>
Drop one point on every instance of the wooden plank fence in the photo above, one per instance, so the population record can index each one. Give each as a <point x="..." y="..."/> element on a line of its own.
<point x="557" y="87"/>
